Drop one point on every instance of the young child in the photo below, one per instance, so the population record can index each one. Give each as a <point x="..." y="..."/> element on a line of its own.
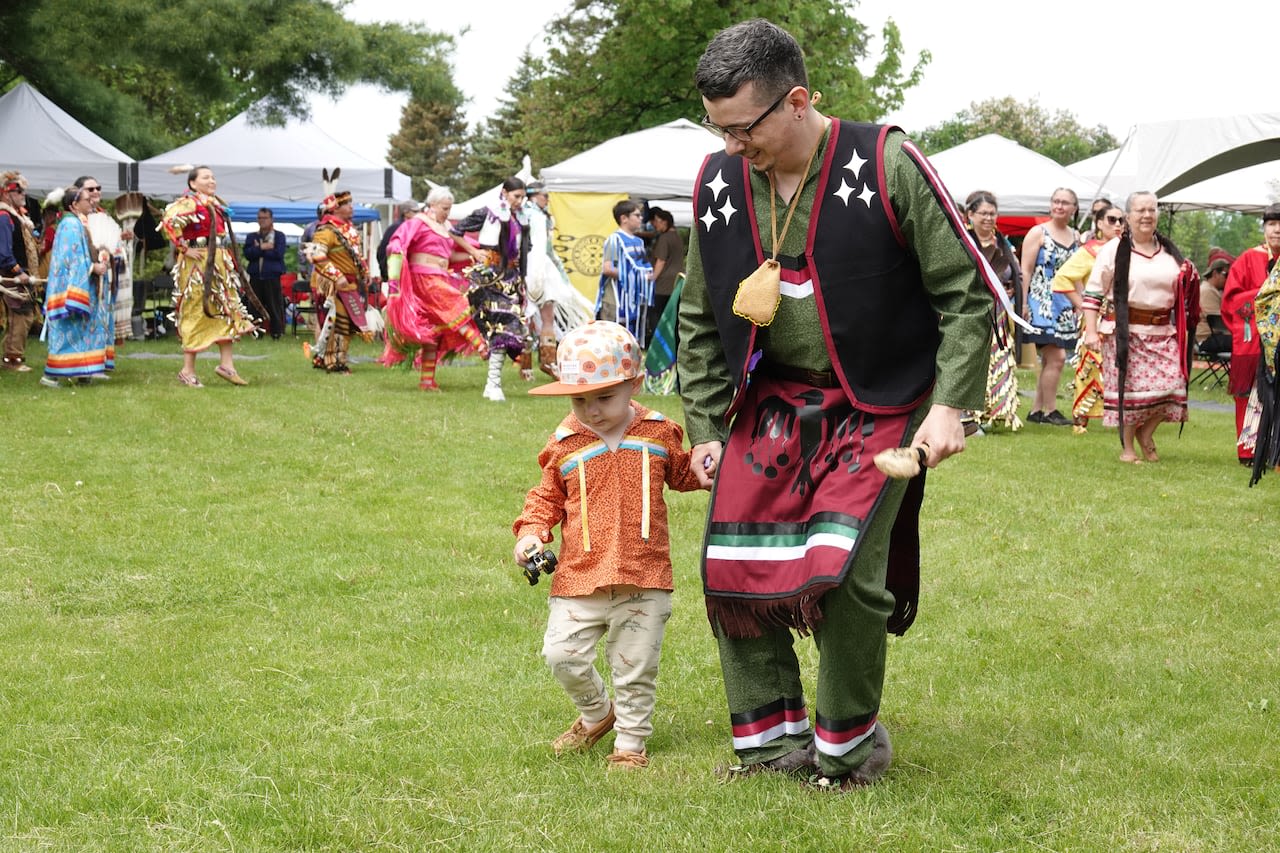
<point x="602" y="475"/>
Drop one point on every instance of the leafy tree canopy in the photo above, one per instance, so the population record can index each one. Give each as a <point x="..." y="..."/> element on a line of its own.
<point x="1195" y="232"/>
<point x="618" y="66"/>
<point x="430" y="144"/>
<point x="150" y="74"/>
<point x="1058" y="135"/>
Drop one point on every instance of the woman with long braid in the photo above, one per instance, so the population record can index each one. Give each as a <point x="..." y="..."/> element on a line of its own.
<point x="1146" y="342"/>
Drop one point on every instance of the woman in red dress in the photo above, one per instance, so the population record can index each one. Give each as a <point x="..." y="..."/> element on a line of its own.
<point x="426" y="310"/>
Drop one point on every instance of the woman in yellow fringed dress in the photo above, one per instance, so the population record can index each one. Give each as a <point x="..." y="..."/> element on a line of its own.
<point x="206" y="298"/>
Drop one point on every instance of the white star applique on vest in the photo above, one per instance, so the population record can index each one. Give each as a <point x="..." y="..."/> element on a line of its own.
<point x="844" y="191"/>
<point x="855" y="163"/>
<point x="716" y="184"/>
<point x="708" y="219"/>
<point x="727" y="210"/>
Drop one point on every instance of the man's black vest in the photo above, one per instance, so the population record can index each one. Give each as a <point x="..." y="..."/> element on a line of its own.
<point x="881" y="332"/>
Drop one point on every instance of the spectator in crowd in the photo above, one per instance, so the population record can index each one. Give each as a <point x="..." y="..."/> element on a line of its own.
<point x="1002" y="380"/>
<point x="1211" y="333"/>
<point x="1046" y="248"/>
<point x="626" y="278"/>
<point x="264" y="252"/>
<point x="668" y="263"/>
<point x="403" y="211"/>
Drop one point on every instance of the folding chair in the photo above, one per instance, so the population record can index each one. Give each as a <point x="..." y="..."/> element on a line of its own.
<point x="1217" y="363"/>
<point x="300" y="299"/>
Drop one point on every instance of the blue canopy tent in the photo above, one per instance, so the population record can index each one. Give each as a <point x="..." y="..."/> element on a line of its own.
<point x="297" y="212"/>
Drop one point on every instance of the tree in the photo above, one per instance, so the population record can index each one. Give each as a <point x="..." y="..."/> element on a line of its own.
<point x="500" y="143"/>
<point x="149" y="74"/>
<point x="1058" y="136"/>
<point x="617" y="66"/>
<point x="430" y="143"/>
<point x="1196" y="231"/>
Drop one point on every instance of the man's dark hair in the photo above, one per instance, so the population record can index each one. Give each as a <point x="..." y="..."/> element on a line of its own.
<point x="624" y="208"/>
<point x="663" y="214"/>
<point x="267" y="210"/>
<point x="754" y="51"/>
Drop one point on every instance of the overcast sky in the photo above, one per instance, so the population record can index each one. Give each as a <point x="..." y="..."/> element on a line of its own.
<point x="1146" y="62"/>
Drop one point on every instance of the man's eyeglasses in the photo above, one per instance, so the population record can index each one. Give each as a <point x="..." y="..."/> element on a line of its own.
<point x="742" y="134"/>
<point x="1114" y="220"/>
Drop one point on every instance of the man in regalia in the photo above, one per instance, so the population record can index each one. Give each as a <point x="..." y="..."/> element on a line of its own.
<point x="833" y="309"/>
<point x="339" y="274"/>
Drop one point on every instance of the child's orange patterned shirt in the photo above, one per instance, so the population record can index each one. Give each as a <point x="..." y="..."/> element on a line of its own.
<point x="609" y="504"/>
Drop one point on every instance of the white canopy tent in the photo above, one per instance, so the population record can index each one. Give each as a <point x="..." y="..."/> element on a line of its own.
<point x="1115" y="172"/>
<point x="51" y="149"/>
<point x="1173" y="155"/>
<point x="1021" y="179"/>
<point x="658" y="163"/>
<point x="489" y="197"/>
<point x="1228" y="163"/>
<point x="1246" y="190"/>
<point x="266" y="162"/>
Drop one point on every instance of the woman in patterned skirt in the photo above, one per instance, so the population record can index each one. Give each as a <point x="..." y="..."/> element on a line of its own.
<point x="1156" y="294"/>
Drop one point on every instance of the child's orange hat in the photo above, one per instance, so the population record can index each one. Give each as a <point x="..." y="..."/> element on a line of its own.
<point x="598" y="355"/>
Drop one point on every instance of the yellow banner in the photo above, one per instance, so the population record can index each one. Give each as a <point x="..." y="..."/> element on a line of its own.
<point x="583" y="222"/>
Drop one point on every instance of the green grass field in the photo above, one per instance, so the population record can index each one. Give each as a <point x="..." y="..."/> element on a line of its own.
<point x="284" y="617"/>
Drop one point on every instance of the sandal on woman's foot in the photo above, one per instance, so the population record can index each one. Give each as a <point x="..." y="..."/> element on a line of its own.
<point x="190" y="380"/>
<point x="230" y="375"/>
<point x="1130" y="459"/>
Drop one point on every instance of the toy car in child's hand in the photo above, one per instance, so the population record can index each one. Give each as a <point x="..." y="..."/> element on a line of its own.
<point x="538" y="563"/>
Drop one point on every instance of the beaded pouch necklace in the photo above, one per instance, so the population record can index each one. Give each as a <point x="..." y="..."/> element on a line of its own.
<point x="760" y="293"/>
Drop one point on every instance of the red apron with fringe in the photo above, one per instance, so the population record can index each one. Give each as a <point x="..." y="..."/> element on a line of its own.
<point x="795" y="487"/>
